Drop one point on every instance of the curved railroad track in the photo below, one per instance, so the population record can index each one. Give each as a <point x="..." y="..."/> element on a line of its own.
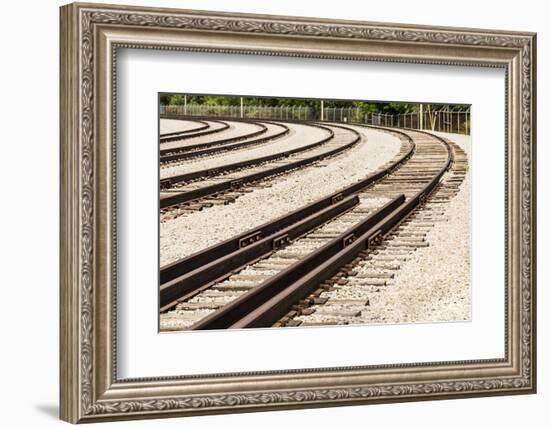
<point x="208" y="127"/>
<point x="342" y="298"/>
<point x="225" y="132"/>
<point x="278" y="273"/>
<point x="272" y="132"/>
<point x="223" y="184"/>
<point x="190" y="126"/>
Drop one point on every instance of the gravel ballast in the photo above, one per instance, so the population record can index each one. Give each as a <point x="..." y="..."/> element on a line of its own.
<point x="182" y="236"/>
<point x="433" y="284"/>
<point x="235" y="130"/>
<point x="299" y="136"/>
<point x="171" y="125"/>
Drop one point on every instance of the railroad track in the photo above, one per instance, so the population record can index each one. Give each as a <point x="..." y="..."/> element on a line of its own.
<point x="221" y="185"/>
<point x="272" y="132"/>
<point x="279" y="273"/>
<point x="207" y="128"/>
<point x="342" y="299"/>
<point x="198" y="125"/>
<point x="233" y="131"/>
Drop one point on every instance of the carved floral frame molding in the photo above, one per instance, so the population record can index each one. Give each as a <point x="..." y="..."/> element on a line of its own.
<point x="90" y="390"/>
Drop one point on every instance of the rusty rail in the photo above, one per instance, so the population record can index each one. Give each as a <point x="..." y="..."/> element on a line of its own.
<point x="221" y="147"/>
<point x="196" y="260"/>
<point x="170" y="154"/>
<point x="204" y="173"/>
<point x="180" y="136"/>
<point x="265" y="304"/>
<point x="185" y="133"/>
<point x="185" y="196"/>
<point x="250" y="248"/>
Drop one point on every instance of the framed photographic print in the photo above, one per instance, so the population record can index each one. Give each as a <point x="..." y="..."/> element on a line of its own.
<point x="267" y="212"/>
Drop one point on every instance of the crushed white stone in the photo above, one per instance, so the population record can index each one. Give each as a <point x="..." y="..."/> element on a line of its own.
<point x="434" y="284"/>
<point x="184" y="235"/>
<point x="235" y="129"/>
<point x="299" y="136"/>
<point x="171" y="125"/>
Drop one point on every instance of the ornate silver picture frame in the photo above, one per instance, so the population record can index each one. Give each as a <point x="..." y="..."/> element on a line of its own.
<point x="91" y="37"/>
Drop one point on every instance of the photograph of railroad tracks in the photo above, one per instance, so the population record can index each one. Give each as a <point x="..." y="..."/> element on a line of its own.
<point x="286" y="212"/>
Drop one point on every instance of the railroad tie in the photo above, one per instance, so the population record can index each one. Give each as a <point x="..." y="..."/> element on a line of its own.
<point x="235" y="285"/>
<point x="369" y="281"/>
<point x="329" y="310"/>
<point x="370" y="274"/>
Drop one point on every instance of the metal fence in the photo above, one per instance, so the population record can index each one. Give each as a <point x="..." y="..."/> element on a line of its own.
<point x="346" y="115"/>
<point x="441" y="120"/>
<point x="245" y="112"/>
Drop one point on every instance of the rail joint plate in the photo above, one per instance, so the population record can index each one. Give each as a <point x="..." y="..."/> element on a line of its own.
<point x="251" y="238"/>
<point x="375" y="239"/>
<point x="349" y="239"/>
<point x="337" y="198"/>
<point x="238" y="183"/>
<point x="281" y="241"/>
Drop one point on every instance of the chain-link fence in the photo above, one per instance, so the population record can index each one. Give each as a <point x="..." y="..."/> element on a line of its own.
<point x="441" y="120"/>
<point x="346" y="115"/>
<point x="245" y="112"/>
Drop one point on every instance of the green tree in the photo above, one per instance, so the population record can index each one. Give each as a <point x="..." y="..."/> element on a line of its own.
<point x="165" y="99"/>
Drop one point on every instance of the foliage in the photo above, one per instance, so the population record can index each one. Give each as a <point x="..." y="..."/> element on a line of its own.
<point x="315" y="104"/>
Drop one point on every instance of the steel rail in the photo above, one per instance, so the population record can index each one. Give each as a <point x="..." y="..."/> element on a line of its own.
<point x="196" y="260"/>
<point x="208" y="131"/>
<point x="265" y="304"/>
<point x="236" y="183"/>
<point x="204" y="125"/>
<point x="250" y="249"/>
<point x="170" y="154"/>
<point x="238" y="309"/>
<point x="204" y="173"/>
<point x="227" y="147"/>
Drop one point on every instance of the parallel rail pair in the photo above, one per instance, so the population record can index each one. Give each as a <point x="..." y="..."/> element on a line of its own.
<point x="183" y="195"/>
<point x="204" y="128"/>
<point x="185" y="152"/>
<point x="268" y="302"/>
